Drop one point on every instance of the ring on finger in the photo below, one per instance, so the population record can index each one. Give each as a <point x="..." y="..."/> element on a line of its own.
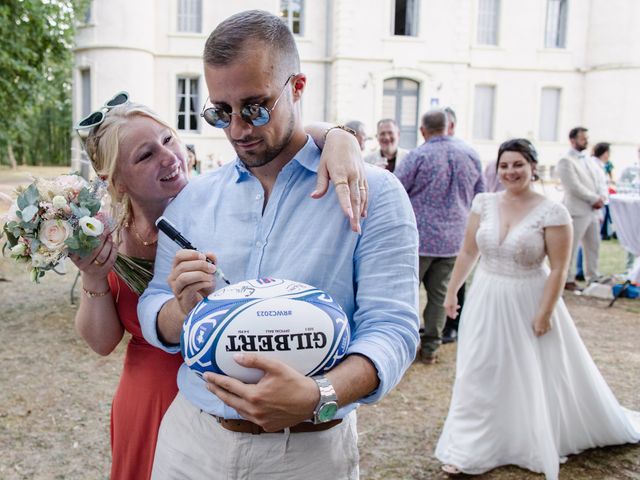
<point x="340" y="182"/>
<point x="98" y="262"/>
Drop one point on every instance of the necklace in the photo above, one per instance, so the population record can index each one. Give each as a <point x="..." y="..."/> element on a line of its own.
<point x="137" y="235"/>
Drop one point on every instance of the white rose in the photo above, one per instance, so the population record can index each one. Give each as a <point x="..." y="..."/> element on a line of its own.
<point x="72" y="182"/>
<point x="18" y="250"/>
<point x="53" y="233"/>
<point x="59" y="201"/>
<point x="91" y="226"/>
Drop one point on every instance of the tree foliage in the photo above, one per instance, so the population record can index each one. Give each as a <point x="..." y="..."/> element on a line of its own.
<point x="36" y="58"/>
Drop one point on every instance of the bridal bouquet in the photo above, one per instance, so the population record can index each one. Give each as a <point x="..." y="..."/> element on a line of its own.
<point x="51" y="219"/>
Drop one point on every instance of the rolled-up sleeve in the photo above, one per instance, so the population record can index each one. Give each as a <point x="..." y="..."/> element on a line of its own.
<point x="158" y="292"/>
<point x="386" y="277"/>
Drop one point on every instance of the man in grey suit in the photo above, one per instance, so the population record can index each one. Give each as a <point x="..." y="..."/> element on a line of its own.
<point x="583" y="199"/>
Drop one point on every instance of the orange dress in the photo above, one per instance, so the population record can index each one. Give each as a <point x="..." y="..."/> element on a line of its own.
<point x="147" y="388"/>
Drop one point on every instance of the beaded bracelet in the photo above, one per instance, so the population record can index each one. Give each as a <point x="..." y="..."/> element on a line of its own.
<point x="91" y="294"/>
<point x="341" y="127"/>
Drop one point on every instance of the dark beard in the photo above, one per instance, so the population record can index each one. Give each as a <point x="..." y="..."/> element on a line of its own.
<point x="255" y="161"/>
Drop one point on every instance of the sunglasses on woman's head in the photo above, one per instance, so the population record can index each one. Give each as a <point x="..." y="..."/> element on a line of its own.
<point x="94" y="119"/>
<point x="254" y="114"/>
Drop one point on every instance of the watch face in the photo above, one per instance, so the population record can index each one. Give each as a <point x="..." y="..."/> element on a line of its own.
<point x="327" y="411"/>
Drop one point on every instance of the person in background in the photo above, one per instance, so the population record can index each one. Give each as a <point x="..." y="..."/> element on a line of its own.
<point x="361" y="134"/>
<point x="389" y="155"/>
<point x="192" y="161"/>
<point x="601" y="158"/>
<point x="583" y="197"/>
<point x="452" y="120"/>
<point x="441" y="177"/>
<point x="451" y="325"/>
<point x="144" y="162"/>
<point x="526" y="390"/>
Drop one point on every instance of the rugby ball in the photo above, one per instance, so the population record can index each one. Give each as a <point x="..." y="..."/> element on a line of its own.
<point x="290" y="321"/>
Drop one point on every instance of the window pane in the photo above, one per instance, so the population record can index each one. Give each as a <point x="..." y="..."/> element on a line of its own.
<point x="549" y="109"/>
<point x="483" y="112"/>
<point x="292" y="12"/>
<point x="400" y="102"/>
<point x="187" y="101"/>
<point x="190" y="16"/>
<point x="388" y="106"/>
<point x="85" y="82"/>
<point x="488" y="21"/>
<point x="408" y="111"/>
<point x="390" y="84"/>
<point x="405" y="17"/>
<point x="556" y="26"/>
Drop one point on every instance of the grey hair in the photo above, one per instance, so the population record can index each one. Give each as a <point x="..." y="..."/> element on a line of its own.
<point x="435" y="121"/>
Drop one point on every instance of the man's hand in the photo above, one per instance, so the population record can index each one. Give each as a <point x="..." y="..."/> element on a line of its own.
<point x="191" y="278"/>
<point x="598" y="205"/>
<point x="281" y="399"/>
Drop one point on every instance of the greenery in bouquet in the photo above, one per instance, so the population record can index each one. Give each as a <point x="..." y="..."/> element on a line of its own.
<point x="51" y="219"/>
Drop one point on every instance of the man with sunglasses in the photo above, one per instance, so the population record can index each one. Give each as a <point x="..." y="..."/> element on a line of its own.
<point x="257" y="217"/>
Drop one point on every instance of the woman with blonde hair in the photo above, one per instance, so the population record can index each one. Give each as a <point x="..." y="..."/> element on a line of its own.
<point x="145" y="164"/>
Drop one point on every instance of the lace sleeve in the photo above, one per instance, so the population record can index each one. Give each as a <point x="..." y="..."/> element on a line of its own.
<point x="477" y="203"/>
<point x="556" y="215"/>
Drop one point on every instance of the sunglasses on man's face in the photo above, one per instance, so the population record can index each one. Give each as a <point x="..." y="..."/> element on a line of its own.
<point x="94" y="119"/>
<point x="254" y="114"/>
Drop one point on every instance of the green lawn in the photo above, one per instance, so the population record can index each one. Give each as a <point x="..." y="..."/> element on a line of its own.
<point x="613" y="258"/>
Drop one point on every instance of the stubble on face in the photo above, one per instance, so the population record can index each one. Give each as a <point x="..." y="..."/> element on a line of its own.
<point x="272" y="149"/>
<point x="581" y="142"/>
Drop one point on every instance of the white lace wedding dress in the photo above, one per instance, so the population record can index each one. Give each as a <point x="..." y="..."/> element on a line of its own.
<point x="519" y="399"/>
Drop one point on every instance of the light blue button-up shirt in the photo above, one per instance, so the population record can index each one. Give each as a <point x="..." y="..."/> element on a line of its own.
<point x="373" y="276"/>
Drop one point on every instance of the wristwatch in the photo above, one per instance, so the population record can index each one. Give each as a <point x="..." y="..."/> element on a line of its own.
<point x="328" y="405"/>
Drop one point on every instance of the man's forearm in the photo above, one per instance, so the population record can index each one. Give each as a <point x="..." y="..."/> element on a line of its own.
<point x="170" y="320"/>
<point x="355" y="377"/>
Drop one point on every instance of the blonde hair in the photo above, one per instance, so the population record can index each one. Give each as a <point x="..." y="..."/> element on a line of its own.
<point x="103" y="145"/>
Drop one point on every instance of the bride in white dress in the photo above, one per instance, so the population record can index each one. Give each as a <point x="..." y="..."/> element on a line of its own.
<point x="526" y="391"/>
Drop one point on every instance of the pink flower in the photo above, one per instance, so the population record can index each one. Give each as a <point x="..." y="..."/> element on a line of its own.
<point x="53" y="233"/>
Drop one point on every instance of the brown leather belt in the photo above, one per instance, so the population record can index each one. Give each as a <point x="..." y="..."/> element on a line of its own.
<point x="245" y="426"/>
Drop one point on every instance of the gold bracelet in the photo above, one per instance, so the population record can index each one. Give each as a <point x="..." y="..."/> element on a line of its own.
<point x="341" y="127"/>
<point x="91" y="294"/>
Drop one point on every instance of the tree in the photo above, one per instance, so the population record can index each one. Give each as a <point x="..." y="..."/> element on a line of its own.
<point x="35" y="85"/>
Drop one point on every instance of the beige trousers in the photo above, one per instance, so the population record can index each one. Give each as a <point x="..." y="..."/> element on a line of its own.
<point x="586" y="232"/>
<point x="193" y="445"/>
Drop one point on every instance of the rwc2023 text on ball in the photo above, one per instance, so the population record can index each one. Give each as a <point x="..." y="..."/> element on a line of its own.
<point x="290" y="321"/>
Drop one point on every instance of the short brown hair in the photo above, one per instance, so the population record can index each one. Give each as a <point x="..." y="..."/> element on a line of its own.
<point x="226" y="43"/>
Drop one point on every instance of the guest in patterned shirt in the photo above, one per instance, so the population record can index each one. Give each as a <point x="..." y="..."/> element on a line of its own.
<point x="441" y="177"/>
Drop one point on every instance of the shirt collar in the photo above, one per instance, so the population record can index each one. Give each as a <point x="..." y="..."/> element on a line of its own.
<point x="308" y="157"/>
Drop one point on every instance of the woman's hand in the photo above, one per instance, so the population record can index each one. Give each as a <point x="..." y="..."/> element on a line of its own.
<point x="97" y="265"/>
<point x="341" y="162"/>
<point x="541" y="324"/>
<point x="451" y="304"/>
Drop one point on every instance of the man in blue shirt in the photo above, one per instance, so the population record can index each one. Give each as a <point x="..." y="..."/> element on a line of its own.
<point x="257" y="217"/>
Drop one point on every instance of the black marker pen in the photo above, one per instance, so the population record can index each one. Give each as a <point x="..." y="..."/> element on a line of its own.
<point x="170" y="231"/>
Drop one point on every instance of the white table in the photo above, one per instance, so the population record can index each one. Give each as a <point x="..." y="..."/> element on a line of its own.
<point x="625" y="213"/>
